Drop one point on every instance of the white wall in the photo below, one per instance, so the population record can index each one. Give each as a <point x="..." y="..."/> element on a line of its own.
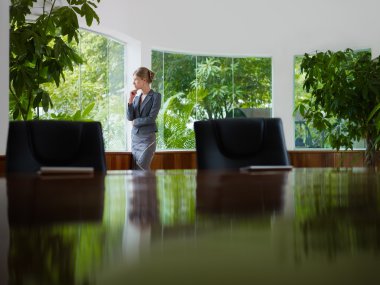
<point x="276" y="28"/>
<point x="4" y="75"/>
<point x="4" y="59"/>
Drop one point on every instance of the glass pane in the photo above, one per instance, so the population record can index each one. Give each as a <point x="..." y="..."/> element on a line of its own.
<point x="176" y="115"/>
<point x="207" y="87"/>
<point x="115" y="118"/>
<point x="93" y="77"/>
<point x="158" y="69"/>
<point x="306" y="136"/>
<point x="95" y="89"/>
<point x="66" y="97"/>
<point x="253" y="87"/>
<point x="215" y="98"/>
<point x="158" y="85"/>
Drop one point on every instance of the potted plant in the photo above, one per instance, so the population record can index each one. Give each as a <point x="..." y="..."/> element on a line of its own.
<point x="42" y="47"/>
<point x="343" y="92"/>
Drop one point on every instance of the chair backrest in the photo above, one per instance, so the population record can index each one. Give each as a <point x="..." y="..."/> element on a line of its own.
<point x="239" y="142"/>
<point x="32" y="144"/>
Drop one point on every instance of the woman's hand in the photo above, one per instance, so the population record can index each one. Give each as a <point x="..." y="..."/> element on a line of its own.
<point x="132" y="95"/>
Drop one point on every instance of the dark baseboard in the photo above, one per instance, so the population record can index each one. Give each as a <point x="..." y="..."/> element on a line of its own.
<point x="2" y="165"/>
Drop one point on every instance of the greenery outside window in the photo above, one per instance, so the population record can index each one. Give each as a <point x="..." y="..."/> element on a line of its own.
<point x="306" y="136"/>
<point x="94" y="90"/>
<point x="207" y="87"/>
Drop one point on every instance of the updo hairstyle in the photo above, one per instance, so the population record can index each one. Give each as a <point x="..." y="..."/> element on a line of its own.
<point x="144" y="73"/>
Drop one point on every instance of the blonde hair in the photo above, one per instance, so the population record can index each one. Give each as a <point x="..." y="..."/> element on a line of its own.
<point x="144" y="73"/>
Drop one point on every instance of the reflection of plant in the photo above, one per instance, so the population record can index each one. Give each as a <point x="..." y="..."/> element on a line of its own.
<point x="176" y="197"/>
<point x="41" y="50"/>
<point x="344" y="88"/>
<point x="337" y="210"/>
<point x="69" y="253"/>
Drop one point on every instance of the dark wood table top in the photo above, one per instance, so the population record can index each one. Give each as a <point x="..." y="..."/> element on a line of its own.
<point x="304" y="226"/>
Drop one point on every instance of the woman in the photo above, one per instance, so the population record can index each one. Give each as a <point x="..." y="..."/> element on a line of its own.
<point x="143" y="110"/>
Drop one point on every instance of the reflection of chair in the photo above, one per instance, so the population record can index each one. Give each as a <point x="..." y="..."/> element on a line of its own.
<point x="259" y="193"/>
<point x="234" y="143"/>
<point x="36" y="200"/>
<point x="32" y="144"/>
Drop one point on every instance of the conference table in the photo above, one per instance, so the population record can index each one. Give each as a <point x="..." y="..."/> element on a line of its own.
<point x="303" y="226"/>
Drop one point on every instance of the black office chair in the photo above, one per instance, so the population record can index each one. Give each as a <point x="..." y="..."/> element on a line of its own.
<point x="240" y="142"/>
<point x="32" y="144"/>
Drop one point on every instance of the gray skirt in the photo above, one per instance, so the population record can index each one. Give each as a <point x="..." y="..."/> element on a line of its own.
<point x="143" y="148"/>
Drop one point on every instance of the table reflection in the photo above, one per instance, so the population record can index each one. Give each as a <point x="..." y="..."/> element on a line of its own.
<point x="338" y="211"/>
<point x="145" y="227"/>
<point x="143" y="210"/>
<point x="52" y="222"/>
<point x="40" y="199"/>
<point x="253" y="193"/>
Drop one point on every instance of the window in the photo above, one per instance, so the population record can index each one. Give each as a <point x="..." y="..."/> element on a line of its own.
<point x="207" y="87"/>
<point x="306" y="136"/>
<point x="96" y="85"/>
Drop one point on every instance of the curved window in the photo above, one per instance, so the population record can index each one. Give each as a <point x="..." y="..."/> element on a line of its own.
<point x="95" y="89"/>
<point x="207" y="87"/>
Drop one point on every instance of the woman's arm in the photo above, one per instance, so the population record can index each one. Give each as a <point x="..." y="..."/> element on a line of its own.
<point x="130" y="111"/>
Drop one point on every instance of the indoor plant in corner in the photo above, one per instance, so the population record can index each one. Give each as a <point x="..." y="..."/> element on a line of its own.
<point x="43" y="36"/>
<point x="344" y="90"/>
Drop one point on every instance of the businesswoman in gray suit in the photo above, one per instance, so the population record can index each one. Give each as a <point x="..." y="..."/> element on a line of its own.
<point x="142" y="111"/>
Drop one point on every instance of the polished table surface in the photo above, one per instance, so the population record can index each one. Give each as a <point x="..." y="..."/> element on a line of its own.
<point x="304" y="226"/>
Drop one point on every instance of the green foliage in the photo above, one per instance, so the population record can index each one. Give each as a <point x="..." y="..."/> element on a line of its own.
<point x="42" y="50"/>
<point x="199" y="87"/>
<point x="306" y="135"/>
<point x="97" y="82"/>
<point x="344" y="88"/>
<point x="78" y="115"/>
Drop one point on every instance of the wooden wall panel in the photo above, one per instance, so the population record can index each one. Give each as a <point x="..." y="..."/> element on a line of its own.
<point x="316" y="158"/>
<point x="325" y="158"/>
<point x="118" y="160"/>
<point x="187" y="159"/>
<point x="2" y="164"/>
<point x="299" y="158"/>
<point x="174" y="160"/>
<point x="161" y="160"/>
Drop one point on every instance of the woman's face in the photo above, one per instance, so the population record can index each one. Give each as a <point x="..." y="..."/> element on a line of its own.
<point x="138" y="82"/>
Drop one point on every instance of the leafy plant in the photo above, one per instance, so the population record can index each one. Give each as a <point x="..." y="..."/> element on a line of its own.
<point x="344" y="88"/>
<point x="41" y="49"/>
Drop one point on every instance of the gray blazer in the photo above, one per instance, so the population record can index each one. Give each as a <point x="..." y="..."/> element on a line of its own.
<point x="144" y="116"/>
